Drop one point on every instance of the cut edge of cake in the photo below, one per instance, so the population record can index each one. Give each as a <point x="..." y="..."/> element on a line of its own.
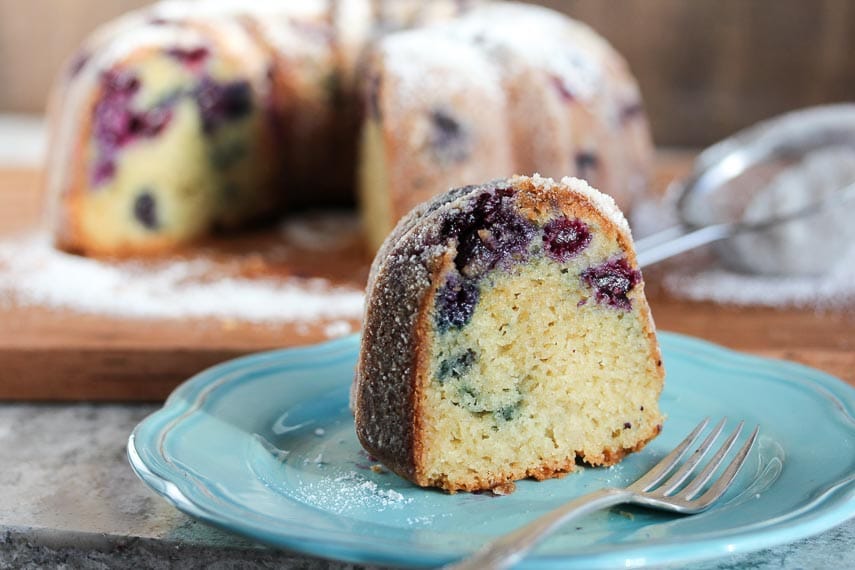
<point x="397" y="368"/>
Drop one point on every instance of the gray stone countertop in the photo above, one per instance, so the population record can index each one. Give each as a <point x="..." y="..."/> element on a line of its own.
<point x="68" y="499"/>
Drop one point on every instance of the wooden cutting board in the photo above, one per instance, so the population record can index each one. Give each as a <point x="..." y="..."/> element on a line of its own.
<point x="50" y="354"/>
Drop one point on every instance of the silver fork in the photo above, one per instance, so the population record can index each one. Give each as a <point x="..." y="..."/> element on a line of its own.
<point x="646" y="491"/>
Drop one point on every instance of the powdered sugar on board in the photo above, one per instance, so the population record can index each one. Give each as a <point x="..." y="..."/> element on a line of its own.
<point x="33" y="273"/>
<point x="834" y="291"/>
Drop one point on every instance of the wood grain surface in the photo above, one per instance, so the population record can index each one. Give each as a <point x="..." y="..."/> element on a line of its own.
<point x="59" y="355"/>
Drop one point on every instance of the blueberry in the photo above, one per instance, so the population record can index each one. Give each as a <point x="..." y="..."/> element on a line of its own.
<point x="612" y="281"/>
<point x="488" y="234"/>
<point x="102" y="171"/>
<point x="145" y="210"/>
<point x="116" y="124"/>
<point x="507" y="413"/>
<point x="586" y="164"/>
<point x="455" y="303"/>
<point x="222" y="102"/>
<point x="564" y="238"/>
<point x="119" y="81"/>
<point x="457" y="365"/>
<point x="631" y="111"/>
<point x="113" y="115"/>
<point x="449" y="140"/>
<point x="192" y="58"/>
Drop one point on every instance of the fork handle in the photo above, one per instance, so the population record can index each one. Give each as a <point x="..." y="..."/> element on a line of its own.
<point x="511" y="548"/>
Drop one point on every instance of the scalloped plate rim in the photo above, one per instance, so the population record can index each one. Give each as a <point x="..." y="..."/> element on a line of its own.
<point x="835" y="505"/>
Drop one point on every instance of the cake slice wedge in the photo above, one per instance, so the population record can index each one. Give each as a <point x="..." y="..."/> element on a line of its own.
<point x="506" y="336"/>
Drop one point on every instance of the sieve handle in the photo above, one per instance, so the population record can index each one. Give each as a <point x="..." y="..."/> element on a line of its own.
<point x="677" y="239"/>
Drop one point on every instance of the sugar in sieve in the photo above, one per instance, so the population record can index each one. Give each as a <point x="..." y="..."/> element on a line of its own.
<point x="775" y="198"/>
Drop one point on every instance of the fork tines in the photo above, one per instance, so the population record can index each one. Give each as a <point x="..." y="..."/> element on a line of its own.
<point x="671" y="489"/>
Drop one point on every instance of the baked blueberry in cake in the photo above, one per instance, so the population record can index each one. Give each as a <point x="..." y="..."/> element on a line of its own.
<point x="506" y="336"/>
<point x="162" y="137"/>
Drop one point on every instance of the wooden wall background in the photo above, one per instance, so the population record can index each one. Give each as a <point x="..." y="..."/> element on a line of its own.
<point x="706" y="67"/>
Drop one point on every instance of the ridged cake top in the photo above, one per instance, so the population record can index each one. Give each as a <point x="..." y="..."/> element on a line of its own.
<point x="457" y="198"/>
<point x="508" y="38"/>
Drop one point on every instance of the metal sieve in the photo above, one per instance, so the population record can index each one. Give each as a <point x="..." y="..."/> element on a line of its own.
<point x="774" y="198"/>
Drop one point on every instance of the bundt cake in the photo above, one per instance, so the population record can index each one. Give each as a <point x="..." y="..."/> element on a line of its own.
<point x="502" y="89"/>
<point x="507" y="335"/>
<point x="186" y="117"/>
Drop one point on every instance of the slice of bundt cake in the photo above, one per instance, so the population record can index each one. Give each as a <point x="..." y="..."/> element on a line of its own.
<point x="507" y="335"/>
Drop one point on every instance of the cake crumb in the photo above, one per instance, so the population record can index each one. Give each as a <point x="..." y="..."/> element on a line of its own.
<point x="377" y="468"/>
<point x="504" y="489"/>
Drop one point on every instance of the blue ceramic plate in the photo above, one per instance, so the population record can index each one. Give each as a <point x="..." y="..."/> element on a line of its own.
<point x="264" y="446"/>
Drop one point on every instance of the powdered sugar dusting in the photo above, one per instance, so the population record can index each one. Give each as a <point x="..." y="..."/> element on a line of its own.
<point x="543" y="39"/>
<point x="33" y="273"/>
<point x="352" y="491"/>
<point x="833" y="291"/>
<point x="489" y="41"/>
<point x="338" y="328"/>
<point x="425" y="66"/>
<point x="603" y="202"/>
